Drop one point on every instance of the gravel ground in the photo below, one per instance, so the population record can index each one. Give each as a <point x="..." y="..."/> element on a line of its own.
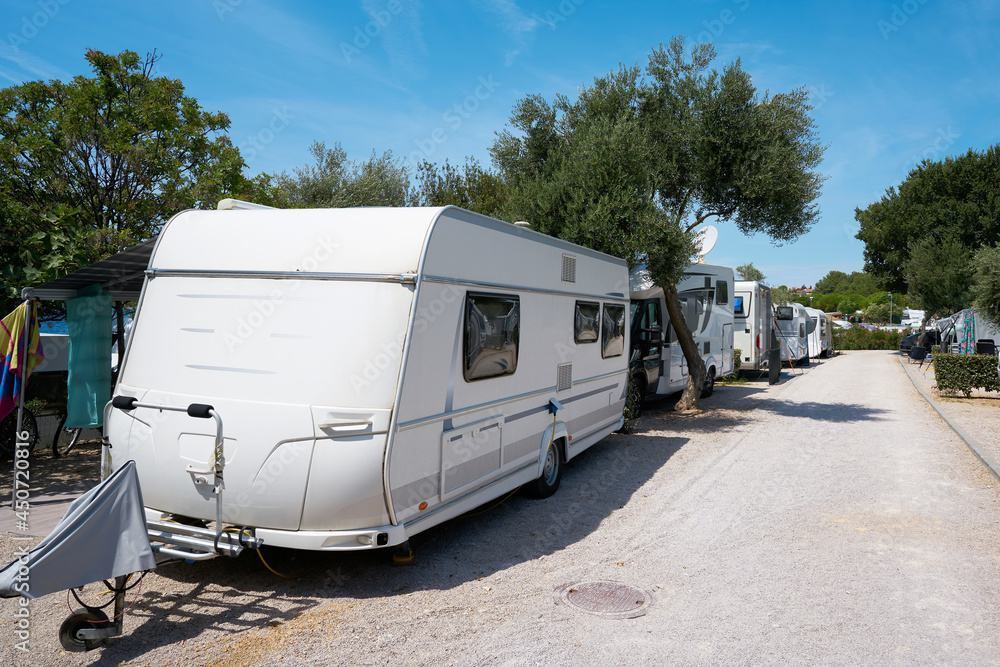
<point x="830" y="519"/>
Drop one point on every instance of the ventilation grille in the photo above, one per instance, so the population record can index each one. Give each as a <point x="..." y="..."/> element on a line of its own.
<point x="569" y="269"/>
<point x="564" y="377"/>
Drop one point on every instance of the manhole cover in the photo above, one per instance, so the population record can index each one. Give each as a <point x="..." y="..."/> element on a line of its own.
<point x="604" y="598"/>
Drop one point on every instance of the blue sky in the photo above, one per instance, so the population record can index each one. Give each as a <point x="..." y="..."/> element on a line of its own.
<point x="892" y="82"/>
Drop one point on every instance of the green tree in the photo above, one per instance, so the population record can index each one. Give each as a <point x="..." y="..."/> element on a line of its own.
<point x="637" y="162"/>
<point x="955" y="197"/>
<point x="334" y="181"/>
<point x="986" y="284"/>
<point x="939" y="274"/>
<point x="472" y="187"/>
<point x="749" y="272"/>
<point x="92" y="166"/>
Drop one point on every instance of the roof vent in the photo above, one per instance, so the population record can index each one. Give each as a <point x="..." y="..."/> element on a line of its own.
<point x="522" y="223"/>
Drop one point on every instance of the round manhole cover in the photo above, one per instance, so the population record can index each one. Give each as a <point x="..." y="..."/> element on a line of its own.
<point x="604" y="598"/>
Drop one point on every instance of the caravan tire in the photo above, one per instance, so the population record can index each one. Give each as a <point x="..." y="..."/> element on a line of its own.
<point x="548" y="482"/>
<point x="709" y="387"/>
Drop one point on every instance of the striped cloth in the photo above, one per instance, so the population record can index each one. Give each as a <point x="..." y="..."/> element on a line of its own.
<point x="12" y="345"/>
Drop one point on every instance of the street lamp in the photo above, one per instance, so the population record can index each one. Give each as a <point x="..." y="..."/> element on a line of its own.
<point x="810" y="301"/>
<point x="890" y="308"/>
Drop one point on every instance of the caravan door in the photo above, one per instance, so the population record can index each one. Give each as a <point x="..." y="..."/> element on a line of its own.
<point x="648" y="339"/>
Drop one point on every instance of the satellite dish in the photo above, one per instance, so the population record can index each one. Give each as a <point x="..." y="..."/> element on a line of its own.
<point x="706" y="238"/>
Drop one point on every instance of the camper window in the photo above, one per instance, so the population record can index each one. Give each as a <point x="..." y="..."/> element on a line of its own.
<point x="586" y="324"/>
<point x="492" y="325"/>
<point x="613" y="340"/>
<point x="722" y="292"/>
<point x="784" y="312"/>
<point x="738" y="308"/>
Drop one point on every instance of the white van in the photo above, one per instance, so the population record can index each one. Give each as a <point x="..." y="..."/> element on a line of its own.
<point x="706" y="294"/>
<point x="373" y="372"/>
<point x="820" y="338"/>
<point x="793" y="328"/>
<point x="752" y="323"/>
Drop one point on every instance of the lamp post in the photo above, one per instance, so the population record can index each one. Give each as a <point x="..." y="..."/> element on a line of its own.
<point x="890" y="308"/>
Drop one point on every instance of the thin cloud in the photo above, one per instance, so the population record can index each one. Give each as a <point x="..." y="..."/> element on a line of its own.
<point x="31" y="64"/>
<point x="401" y="36"/>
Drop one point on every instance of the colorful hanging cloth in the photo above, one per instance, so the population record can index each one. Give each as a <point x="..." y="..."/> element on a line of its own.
<point x="12" y="343"/>
<point x="967" y="342"/>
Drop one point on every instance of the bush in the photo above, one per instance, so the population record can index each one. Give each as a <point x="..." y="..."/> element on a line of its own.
<point x="956" y="373"/>
<point x="860" y="338"/>
<point x="737" y="362"/>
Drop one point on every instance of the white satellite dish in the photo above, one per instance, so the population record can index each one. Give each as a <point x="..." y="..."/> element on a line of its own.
<point x="706" y="237"/>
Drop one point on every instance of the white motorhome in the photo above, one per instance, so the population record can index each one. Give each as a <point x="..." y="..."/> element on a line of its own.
<point x="793" y="326"/>
<point x="820" y="338"/>
<point x="373" y="372"/>
<point x="658" y="363"/>
<point x="752" y="323"/>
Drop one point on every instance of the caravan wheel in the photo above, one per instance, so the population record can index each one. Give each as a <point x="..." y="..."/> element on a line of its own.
<point x="709" y="387"/>
<point x="546" y="485"/>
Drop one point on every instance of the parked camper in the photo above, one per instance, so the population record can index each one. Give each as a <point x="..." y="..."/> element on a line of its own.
<point x="793" y="328"/>
<point x="752" y="323"/>
<point x="968" y="332"/>
<point x="820" y="338"/>
<point x="373" y="372"/>
<point x="706" y="295"/>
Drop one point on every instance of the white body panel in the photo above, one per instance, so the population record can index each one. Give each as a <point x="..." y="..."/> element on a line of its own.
<point x="793" y="326"/>
<point x="707" y="295"/>
<point x="332" y="343"/>
<point x="752" y="323"/>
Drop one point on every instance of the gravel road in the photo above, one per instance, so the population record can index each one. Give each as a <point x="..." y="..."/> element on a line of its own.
<point x="830" y="519"/>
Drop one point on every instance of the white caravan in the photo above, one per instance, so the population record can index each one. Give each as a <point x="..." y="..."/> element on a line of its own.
<point x="752" y="323"/>
<point x="820" y="338"/>
<point x="658" y="363"/>
<point x="372" y="372"/>
<point x="793" y="327"/>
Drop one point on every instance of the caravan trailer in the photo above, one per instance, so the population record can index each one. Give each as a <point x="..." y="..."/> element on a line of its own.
<point x="793" y="328"/>
<point x="752" y="323"/>
<point x="820" y="338"/>
<point x="658" y="364"/>
<point x="372" y="372"/>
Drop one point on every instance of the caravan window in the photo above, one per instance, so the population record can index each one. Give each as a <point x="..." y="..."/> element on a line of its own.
<point x="613" y="340"/>
<point x="586" y="322"/>
<point x="784" y="312"/>
<point x="738" y="308"/>
<point x="722" y="292"/>
<point x="492" y="326"/>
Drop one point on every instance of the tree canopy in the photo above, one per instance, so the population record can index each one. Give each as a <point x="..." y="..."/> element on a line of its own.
<point x="641" y="158"/>
<point x="749" y="272"/>
<point x="939" y="275"/>
<point x="334" y="181"/>
<point x="470" y="187"/>
<point x="94" y="165"/>
<point x="952" y="198"/>
<point x="838" y="282"/>
<point x="986" y="285"/>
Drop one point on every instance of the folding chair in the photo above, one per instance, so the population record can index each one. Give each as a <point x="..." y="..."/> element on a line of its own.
<point x="918" y="353"/>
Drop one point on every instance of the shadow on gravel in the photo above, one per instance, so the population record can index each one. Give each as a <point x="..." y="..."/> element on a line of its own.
<point x="839" y="413"/>
<point x="490" y="539"/>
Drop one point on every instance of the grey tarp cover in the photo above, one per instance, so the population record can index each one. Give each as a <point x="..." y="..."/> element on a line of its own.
<point x="102" y="536"/>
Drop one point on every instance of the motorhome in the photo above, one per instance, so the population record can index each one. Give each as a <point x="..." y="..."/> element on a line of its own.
<point x="968" y="332"/>
<point x="752" y="323"/>
<point x="793" y="326"/>
<point x="820" y="338"/>
<point x="372" y="372"/>
<point x="658" y="364"/>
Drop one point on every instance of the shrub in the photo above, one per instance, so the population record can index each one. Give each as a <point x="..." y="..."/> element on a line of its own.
<point x="737" y="361"/>
<point x="956" y="373"/>
<point x="860" y="338"/>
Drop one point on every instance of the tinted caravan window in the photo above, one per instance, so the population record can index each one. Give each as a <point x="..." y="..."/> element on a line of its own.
<point x="613" y="327"/>
<point x="722" y="292"/>
<point x="492" y="325"/>
<point x="587" y="322"/>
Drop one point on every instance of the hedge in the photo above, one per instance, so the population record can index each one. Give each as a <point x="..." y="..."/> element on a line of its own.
<point x="956" y="373"/>
<point x="860" y="338"/>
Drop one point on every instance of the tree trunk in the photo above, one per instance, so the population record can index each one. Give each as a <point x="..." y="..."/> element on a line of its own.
<point x="696" y="365"/>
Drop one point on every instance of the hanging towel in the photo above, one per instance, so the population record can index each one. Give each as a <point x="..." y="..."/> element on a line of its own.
<point x="967" y="343"/>
<point x="89" y="383"/>
<point x="12" y="343"/>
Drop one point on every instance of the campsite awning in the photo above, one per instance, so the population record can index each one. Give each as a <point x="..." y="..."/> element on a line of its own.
<point x="120" y="276"/>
